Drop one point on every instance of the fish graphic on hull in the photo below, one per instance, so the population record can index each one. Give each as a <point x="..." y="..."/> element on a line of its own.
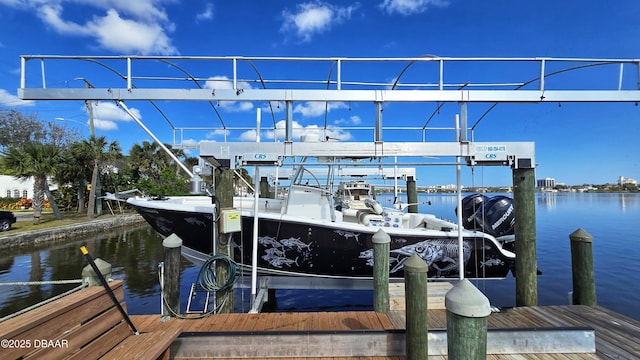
<point x="440" y="255"/>
<point x="284" y="253"/>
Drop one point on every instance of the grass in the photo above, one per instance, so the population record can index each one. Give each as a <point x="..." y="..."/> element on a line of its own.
<point x="48" y="220"/>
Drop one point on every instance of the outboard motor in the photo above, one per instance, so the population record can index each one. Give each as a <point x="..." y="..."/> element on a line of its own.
<point x="471" y="204"/>
<point x="492" y="215"/>
<point x="496" y="216"/>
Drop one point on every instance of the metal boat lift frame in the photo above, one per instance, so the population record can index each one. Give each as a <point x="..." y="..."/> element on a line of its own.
<point x="517" y="155"/>
<point x="433" y="87"/>
<point x="337" y="89"/>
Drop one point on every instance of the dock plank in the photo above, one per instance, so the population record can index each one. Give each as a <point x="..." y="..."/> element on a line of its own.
<point x="385" y="322"/>
<point x="436" y="291"/>
<point x="613" y="331"/>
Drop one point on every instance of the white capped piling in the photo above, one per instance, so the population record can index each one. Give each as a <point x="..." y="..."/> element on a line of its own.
<point x="171" y="275"/>
<point x="415" y="283"/>
<point x="584" y="287"/>
<point x="381" y="241"/>
<point x="89" y="276"/>
<point x="467" y="312"/>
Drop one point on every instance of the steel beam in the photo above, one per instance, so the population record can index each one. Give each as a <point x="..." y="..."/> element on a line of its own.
<point x="294" y="95"/>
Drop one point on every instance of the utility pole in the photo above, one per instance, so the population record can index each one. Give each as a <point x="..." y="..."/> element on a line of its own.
<point x="95" y="207"/>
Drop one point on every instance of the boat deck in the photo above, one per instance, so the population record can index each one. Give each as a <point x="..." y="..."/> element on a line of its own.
<point x="615" y="335"/>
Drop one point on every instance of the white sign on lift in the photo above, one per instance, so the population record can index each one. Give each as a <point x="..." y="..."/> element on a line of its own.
<point x="491" y="152"/>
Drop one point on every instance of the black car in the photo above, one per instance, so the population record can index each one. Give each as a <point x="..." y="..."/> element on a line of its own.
<point x="6" y="219"/>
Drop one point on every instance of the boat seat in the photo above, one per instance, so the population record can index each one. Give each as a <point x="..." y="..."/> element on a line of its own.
<point x="367" y="216"/>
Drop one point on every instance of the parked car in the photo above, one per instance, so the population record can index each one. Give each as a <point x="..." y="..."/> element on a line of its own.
<point x="6" y="219"/>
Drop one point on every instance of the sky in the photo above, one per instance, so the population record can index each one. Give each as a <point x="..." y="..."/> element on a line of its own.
<point x="575" y="143"/>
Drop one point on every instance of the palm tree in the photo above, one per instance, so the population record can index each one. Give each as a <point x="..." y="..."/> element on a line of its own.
<point x="37" y="160"/>
<point x="141" y="160"/>
<point x="149" y="160"/>
<point x="100" y="151"/>
<point x="76" y="170"/>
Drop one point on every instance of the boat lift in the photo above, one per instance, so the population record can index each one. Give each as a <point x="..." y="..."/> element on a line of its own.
<point x="344" y="84"/>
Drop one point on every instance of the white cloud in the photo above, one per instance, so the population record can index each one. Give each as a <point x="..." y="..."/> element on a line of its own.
<point x="297" y="131"/>
<point x="206" y="14"/>
<point x="352" y="120"/>
<point x="223" y="82"/>
<point x="314" y="18"/>
<point x="106" y="115"/>
<point x="191" y="143"/>
<point x="217" y="133"/>
<point x="129" y="36"/>
<point x="249" y="135"/>
<point x="142" y="9"/>
<point x="123" y="26"/>
<point x="410" y="7"/>
<point x="11" y="100"/>
<point x="317" y="108"/>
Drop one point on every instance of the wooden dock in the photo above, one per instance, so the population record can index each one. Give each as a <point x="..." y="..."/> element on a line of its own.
<point x="616" y="336"/>
<point x="436" y="290"/>
<point x="329" y="335"/>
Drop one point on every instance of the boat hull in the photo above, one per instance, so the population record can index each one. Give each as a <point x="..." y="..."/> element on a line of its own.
<point x="290" y="246"/>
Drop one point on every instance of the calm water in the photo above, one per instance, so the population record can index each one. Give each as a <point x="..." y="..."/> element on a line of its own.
<point x="135" y="254"/>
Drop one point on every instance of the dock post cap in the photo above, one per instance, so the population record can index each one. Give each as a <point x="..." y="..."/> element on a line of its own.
<point x="581" y="236"/>
<point x="172" y="241"/>
<point x="416" y="264"/>
<point x="90" y="277"/>
<point x="381" y="237"/>
<point x="466" y="300"/>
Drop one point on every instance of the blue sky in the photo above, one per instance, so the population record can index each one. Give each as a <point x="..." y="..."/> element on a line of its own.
<point x="575" y="142"/>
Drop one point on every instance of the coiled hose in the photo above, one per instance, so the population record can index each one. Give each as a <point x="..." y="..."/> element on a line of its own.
<point x="207" y="274"/>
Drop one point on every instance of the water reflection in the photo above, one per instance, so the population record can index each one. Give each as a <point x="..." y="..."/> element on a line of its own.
<point x="628" y="200"/>
<point x="136" y="252"/>
<point x="547" y="200"/>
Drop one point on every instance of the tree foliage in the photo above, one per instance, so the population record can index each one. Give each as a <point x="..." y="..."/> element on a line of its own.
<point x="37" y="160"/>
<point x="155" y="172"/>
<point x="17" y="129"/>
<point x="45" y="150"/>
<point x="99" y="151"/>
<point x="33" y="148"/>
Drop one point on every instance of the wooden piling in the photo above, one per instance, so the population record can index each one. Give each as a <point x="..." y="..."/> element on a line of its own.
<point x="381" y="241"/>
<point x="584" y="288"/>
<point x="224" y="196"/>
<point x="467" y="312"/>
<point x="171" y="277"/>
<point x="412" y="195"/>
<point x="417" y="330"/>
<point x="525" y="234"/>
<point x="264" y="188"/>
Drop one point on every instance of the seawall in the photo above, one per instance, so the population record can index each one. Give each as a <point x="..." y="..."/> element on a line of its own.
<point x="61" y="233"/>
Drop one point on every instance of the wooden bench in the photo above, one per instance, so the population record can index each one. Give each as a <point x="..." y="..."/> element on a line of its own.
<point x="84" y="325"/>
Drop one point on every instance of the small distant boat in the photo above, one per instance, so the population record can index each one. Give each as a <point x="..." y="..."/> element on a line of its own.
<point x="306" y="234"/>
<point x="352" y="195"/>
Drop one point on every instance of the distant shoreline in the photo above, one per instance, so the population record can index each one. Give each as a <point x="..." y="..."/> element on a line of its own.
<point x="62" y="233"/>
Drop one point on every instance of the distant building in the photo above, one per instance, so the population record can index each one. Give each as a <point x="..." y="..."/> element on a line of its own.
<point x="439" y="188"/>
<point x="626" y="181"/>
<point x="548" y="183"/>
<point x="13" y="188"/>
